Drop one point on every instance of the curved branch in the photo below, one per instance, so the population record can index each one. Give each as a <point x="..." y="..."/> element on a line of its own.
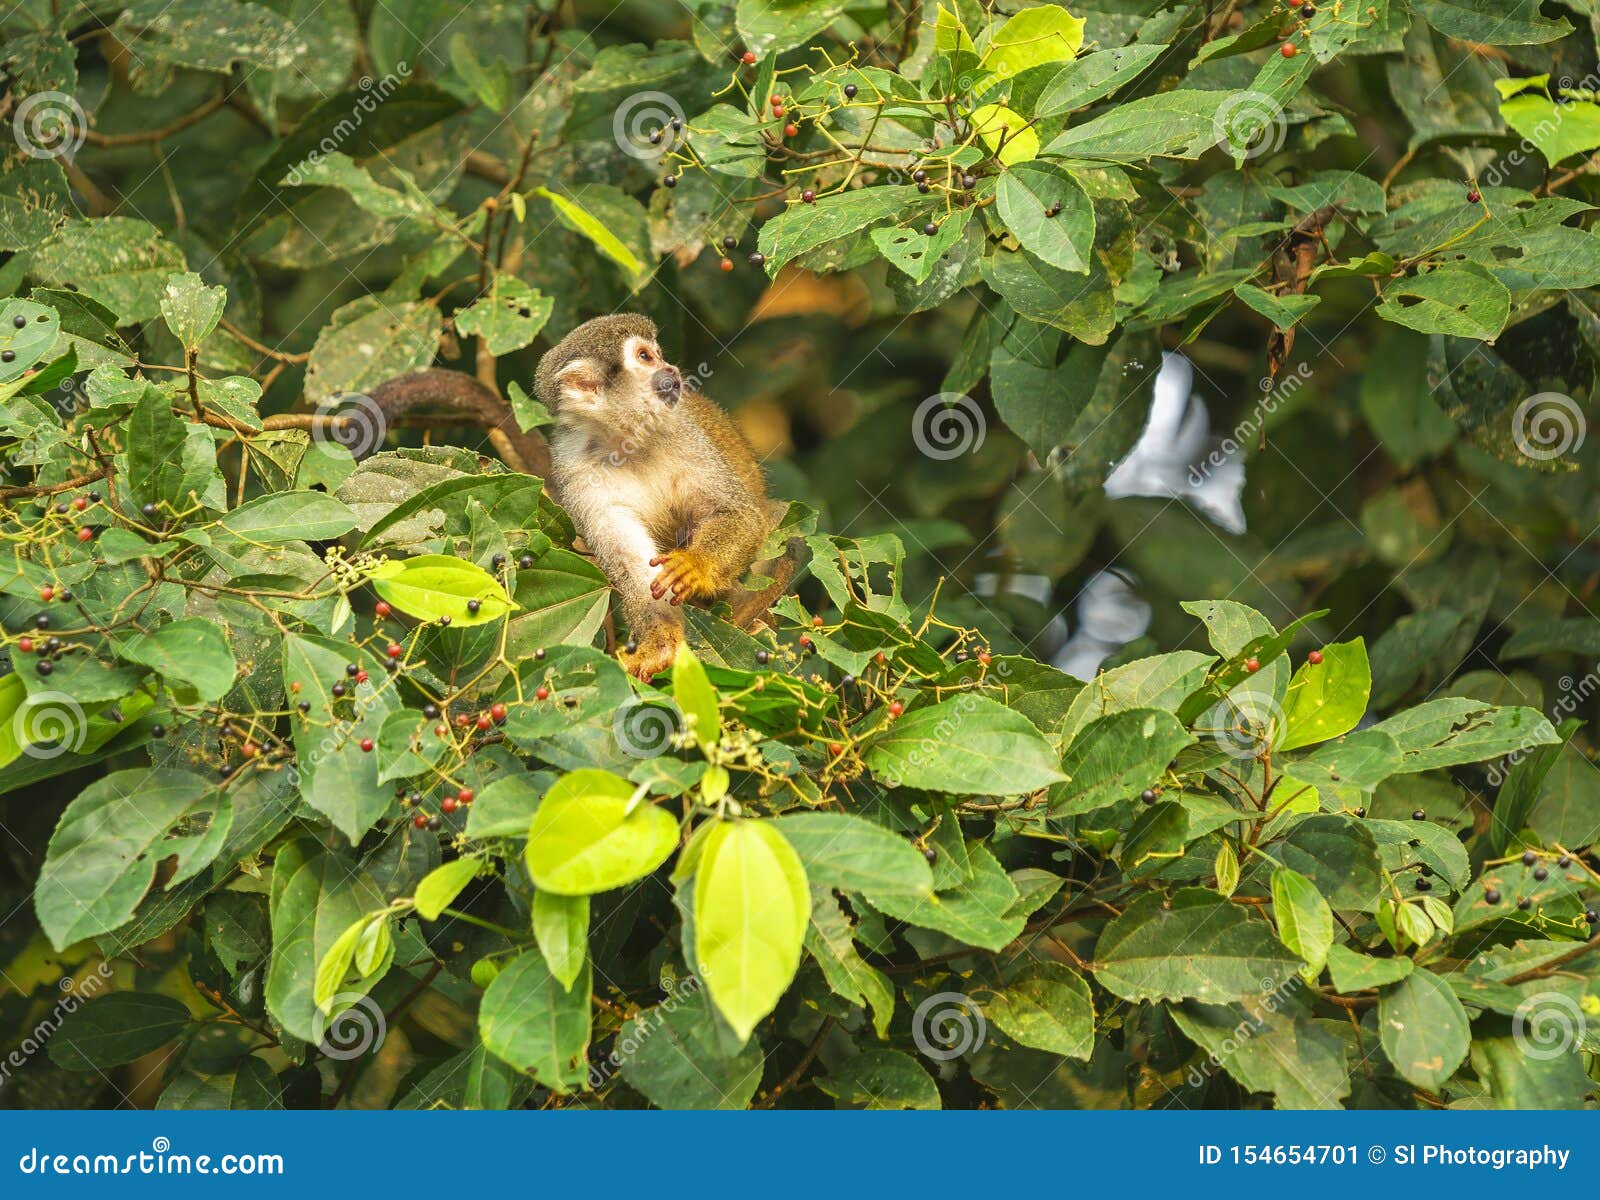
<point x="436" y="387"/>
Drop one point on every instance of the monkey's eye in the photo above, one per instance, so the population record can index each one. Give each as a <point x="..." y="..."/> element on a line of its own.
<point x="645" y="356"/>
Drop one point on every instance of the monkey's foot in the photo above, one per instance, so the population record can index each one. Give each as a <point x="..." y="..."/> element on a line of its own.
<point x="684" y="574"/>
<point x="654" y="650"/>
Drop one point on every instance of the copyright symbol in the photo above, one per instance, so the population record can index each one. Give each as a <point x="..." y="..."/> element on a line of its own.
<point x="1377" y="1154"/>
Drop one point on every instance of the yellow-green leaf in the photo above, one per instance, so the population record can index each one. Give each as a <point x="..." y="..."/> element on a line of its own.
<point x="584" y="839"/>
<point x="434" y="586"/>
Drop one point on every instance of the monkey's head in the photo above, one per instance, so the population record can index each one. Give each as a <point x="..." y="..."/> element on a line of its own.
<point x="609" y="371"/>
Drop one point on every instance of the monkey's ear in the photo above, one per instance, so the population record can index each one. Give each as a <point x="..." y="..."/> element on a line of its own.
<point x="577" y="384"/>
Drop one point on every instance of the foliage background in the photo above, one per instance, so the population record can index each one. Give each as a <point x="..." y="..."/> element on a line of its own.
<point x="356" y="176"/>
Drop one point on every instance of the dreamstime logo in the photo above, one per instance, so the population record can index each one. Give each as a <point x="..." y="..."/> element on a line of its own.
<point x="947" y="425"/>
<point x="947" y="1025"/>
<point x="49" y="125"/>
<point x="352" y="420"/>
<point x="1250" y="124"/>
<point x="1548" y="1025"/>
<point x="374" y="92"/>
<point x="49" y="725"/>
<point x="1548" y="425"/>
<point x="357" y="1026"/>
<point x="1247" y="431"/>
<point x="645" y="728"/>
<point x="1573" y="695"/>
<point x="1275" y="994"/>
<point x="647" y="125"/>
<point x="1244" y="724"/>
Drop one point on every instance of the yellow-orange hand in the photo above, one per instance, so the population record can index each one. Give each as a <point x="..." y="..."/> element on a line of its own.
<point x="684" y="575"/>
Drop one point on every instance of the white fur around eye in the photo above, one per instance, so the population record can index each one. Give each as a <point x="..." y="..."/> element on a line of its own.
<point x="638" y="352"/>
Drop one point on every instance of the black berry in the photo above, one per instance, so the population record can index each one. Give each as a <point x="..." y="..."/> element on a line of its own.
<point x="337" y="689"/>
<point x="352" y="669"/>
<point x="1491" y="896"/>
<point x="304" y="706"/>
<point x="474" y="605"/>
<point x="1524" y="904"/>
<point x="42" y="621"/>
<point x="929" y="853"/>
<point x="728" y="243"/>
<point x="1148" y="795"/>
<point x="758" y="259"/>
<point x="670" y="181"/>
<point x="1541" y="874"/>
<point x="763" y="658"/>
<point x="930" y="228"/>
<point x="850" y="90"/>
<point x="1419" y="815"/>
<point x="149" y="510"/>
<point x="1529" y="858"/>
<point x="430" y="711"/>
<point x="42" y="667"/>
<point x="919" y="175"/>
<point x="1564" y="861"/>
<point x="19" y="321"/>
<point x="525" y="562"/>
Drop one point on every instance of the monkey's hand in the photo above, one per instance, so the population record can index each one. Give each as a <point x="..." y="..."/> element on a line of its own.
<point x="655" y="647"/>
<point x="685" y="575"/>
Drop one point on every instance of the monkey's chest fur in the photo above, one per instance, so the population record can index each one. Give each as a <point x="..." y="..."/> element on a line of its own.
<point x="669" y="492"/>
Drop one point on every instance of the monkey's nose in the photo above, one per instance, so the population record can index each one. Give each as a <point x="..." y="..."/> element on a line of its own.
<point x="668" y="384"/>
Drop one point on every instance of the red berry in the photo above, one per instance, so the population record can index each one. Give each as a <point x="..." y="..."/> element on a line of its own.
<point x="461" y="720"/>
<point x="791" y="129"/>
<point x="86" y="534"/>
<point x="808" y="197"/>
<point x="1314" y="657"/>
<point x="47" y="593"/>
<point x="80" y="503"/>
<point x="295" y="687"/>
<point x="448" y="804"/>
<point x="984" y="657"/>
<point x="816" y="622"/>
<point x="775" y="100"/>
<point x="420" y="820"/>
<point x="835" y="749"/>
<point x="484" y="723"/>
<point x="1252" y="665"/>
<point x="880" y="658"/>
<point x="805" y="641"/>
<point x="777" y="110"/>
<point x="748" y="57"/>
<point x="25" y="645"/>
<point x="727" y="264"/>
<point x="896" y="708"/>
<point x="393" y="650"/>
<point x="249" y="749"/>
<point x="465" y="795"/>
<point x="382" y="608"/>
<point x="442" y="730"/>
<point x="497" y="712"/>
<point x="542" y="694"/>
<point x="1288" y="49"/>
<point x="366" y="745"/>
<point x="361" y="677"/>
<point x="1474" y="196"/>
<point x="1296" y="3"/>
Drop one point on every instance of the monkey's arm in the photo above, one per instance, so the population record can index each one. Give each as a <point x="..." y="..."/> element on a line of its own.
<point x="624" y="549"/>
<point x="720" y="551"/>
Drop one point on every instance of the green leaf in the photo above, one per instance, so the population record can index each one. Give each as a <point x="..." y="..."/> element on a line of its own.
<point x="432" y="587"/>
<point x="977" y="911"/>
<point x="751" y="906"/>
<point x="192" y="653"/>
<point x="584" y="839"/>
<point x="1094" y="76"/>
<point x="1305" y="922"/>
<point x="1269" y="1045"/>
<point x="970" y="745"/>
<point x="1558" y="131"/>
<point x="338" y="778"/>
<point x="191" y="309"/>
<point x="508" y="318"/>
<point x="1327" y="699"/>
<point x="439" y="888"/>
<point x="831" y="941"/>
<point x="1194" y="945"/>
<point x="121" y="262"/>
<point x="1284" y="310"/>
<point x="537" y="1024"/>
<point x="1033" y="37"/>
<point x="103" y="855"/>
<point x="1491" y="22"/>
<point x="1048" y="1007"/>
<point x="309" y="516"/>
<point x="1026" y="201"/>
<point x="108" y="1031"/>
<point x="881" y="1079"/>
<point x="1423" y="1029"/>
<point x="1115" y="758"/>
<point x="1455" y="730"/>
<point x="575" y="217"/>
<point x="29" y="343"/>
<point x="803" y="228"/>
<point x="1464" y="300"/>
<point x="678" y="1055"/>
<point x="1353" y="972"/>
<point x="1179" y="124"/>
<point x="561" y="925"/>
<point x="855" y="854"/>
<point x="696" y="698"/>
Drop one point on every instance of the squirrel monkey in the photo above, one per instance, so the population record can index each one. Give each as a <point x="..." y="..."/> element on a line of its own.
<point x="659" y="482"/>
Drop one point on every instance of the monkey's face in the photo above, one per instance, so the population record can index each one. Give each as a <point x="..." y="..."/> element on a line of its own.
<point x="630" y="386"/>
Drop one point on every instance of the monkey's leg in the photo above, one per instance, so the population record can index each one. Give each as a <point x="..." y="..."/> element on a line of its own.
<point x="624" y="550"/>
<point x="716" y="558"/>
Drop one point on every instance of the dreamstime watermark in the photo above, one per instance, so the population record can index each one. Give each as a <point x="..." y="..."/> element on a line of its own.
<point x="645" y="728"/>
<point x="357" y="1025"/>
<point x="947" y="1025"/>
<point x="656" y="417"/>
<point x="1548" y="425"/>
<point x="648" y="125"/>
<point x="1276" y="391"/>
<point x="49" y="724"/>
<point x="1497" y="172"/>
<point x="1548" y="1025"/>
<point x="49" y="125"/>
<point x="1275" y="995"/>
<point x="1573" y="695"/>
<point x="641" y="1028"/>
<point x="1250" y="124"/>
<point x="352" y="420"/>
<point x="158" y="1160"/>
<point x="73" y="994"/>
<point x="374" y="93"/>
<point x="1244" y="725"/>
<point x="947" y="425"/>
